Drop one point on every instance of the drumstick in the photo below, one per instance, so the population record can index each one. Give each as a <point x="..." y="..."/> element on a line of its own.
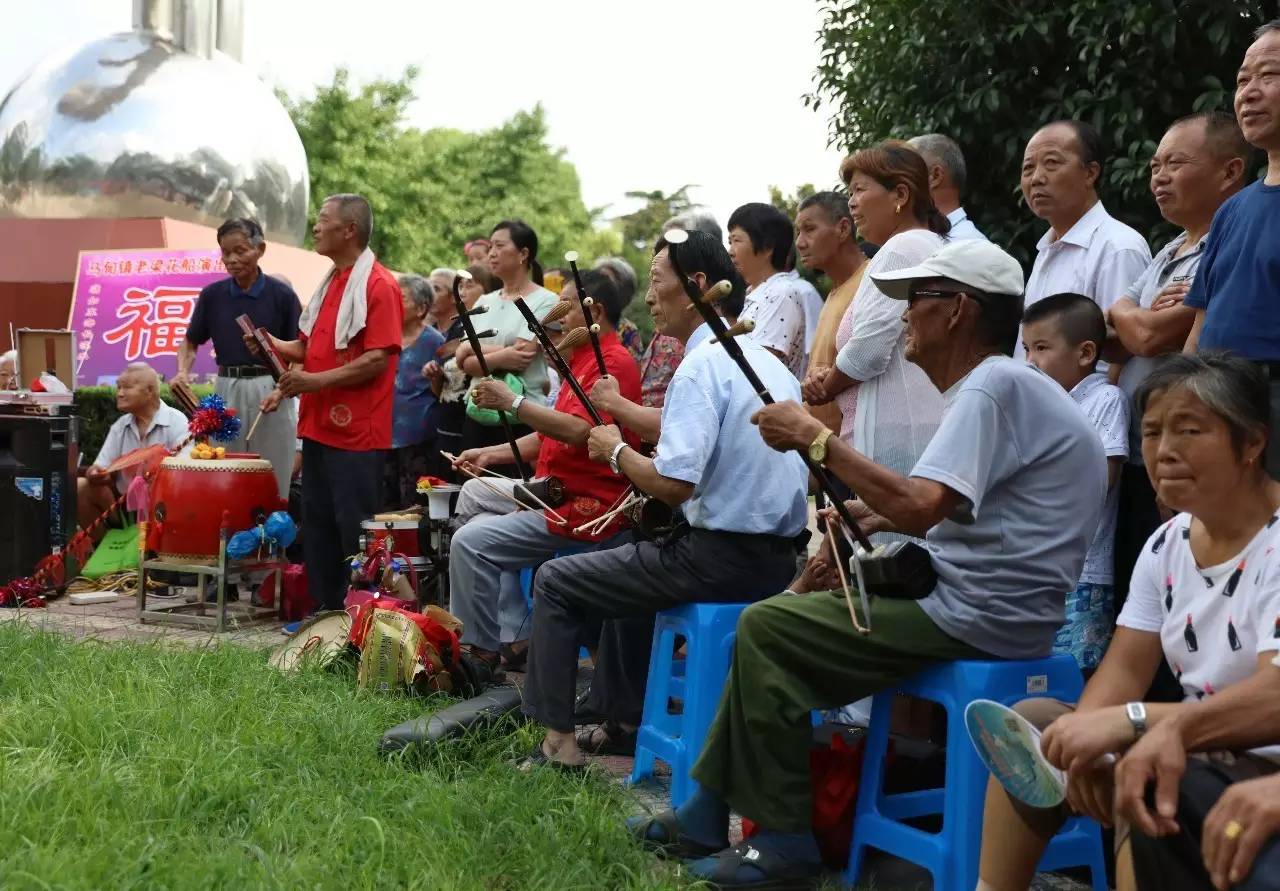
<point x="254" y="426"/>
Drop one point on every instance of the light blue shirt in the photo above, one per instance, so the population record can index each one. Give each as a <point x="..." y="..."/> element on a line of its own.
<point x="707" y="439"/>
<point x="962" y="227"/>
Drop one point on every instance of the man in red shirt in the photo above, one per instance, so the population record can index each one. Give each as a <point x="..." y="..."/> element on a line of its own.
<point x="486" y="547"/>
<point x="348" y="345"/>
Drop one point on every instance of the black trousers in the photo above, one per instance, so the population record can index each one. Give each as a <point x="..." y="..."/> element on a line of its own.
<point x="624" y="587"/>
<point x="340" y="489"/>
<point x="1174" y="863"/>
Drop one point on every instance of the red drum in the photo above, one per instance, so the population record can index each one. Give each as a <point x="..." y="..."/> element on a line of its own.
<point x="189" y="496"/>
<point x="403" y="534"/>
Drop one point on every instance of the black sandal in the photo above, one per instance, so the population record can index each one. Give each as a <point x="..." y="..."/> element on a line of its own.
<point x="539" y="758"/>
<point x="614" y="739"/>
<point x="778" y="874"/>
<point x="674" y="844"/>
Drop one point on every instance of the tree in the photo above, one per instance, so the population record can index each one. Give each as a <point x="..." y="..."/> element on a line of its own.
<point x="989" y="73"/>
<point x="432" y="190"/>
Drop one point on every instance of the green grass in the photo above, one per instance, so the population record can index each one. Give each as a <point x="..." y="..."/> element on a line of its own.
<point x="129" y="766"/>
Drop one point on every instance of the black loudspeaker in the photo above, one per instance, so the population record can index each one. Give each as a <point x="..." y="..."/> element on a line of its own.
<point x="39" y="452"/>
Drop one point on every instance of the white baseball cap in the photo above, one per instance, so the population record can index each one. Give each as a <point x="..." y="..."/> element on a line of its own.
<point x="971" y="261"/>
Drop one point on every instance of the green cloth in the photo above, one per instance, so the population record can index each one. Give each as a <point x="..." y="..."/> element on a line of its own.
<point x="490" y="417"/>
<point x="794" y="654"/>
<point x="117" y="551"/>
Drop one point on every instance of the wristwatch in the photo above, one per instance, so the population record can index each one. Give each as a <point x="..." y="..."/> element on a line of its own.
<point x="613" y="457"/>
<point x="818" y="448"/>
<point x="1137" y="713"/>
<point x="515" y="404"/>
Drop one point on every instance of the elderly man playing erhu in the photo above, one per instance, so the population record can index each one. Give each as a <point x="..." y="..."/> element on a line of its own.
<point x="144" y="421"/>
<point x="1006" y="496"/>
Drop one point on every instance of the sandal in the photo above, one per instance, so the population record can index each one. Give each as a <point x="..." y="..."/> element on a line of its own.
<point x="674" y="844"/>
<point x="613" y="739"/>
<point x="539" y="758"/>
<point x="513" y="659"/>
<point x="723" y="870"/>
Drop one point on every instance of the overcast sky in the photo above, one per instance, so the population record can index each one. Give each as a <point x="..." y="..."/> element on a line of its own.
<point x="642" y="96"/>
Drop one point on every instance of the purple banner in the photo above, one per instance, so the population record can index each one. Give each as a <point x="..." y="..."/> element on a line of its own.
<point x="135" y="306"/>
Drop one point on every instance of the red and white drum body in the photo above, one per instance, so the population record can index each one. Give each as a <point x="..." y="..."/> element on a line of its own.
<point x="403" y="535"/>
<point x="189" y="497"/>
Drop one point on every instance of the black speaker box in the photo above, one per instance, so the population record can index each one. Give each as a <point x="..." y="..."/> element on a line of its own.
<point x="38" y="457"/>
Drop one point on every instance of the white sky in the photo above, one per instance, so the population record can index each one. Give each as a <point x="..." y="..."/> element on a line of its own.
<point x="643" y="96"/>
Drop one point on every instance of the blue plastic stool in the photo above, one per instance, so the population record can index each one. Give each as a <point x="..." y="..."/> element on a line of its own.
<point x="526" y="586"/>
<point x="526" y="574"/>
<point x="952" y="854"/>
<point x="709" y="630"/>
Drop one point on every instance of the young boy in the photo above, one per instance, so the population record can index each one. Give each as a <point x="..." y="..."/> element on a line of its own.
<point x="1063" y="335"/>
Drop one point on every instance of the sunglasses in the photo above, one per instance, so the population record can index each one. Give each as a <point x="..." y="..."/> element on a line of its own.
<point x="917" y="293"/>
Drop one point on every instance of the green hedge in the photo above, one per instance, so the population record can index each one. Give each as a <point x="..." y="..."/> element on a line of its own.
<point x="96" y="407"/>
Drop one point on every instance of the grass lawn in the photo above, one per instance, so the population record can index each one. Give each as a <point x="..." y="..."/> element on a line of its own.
<point x="136" y="766"/>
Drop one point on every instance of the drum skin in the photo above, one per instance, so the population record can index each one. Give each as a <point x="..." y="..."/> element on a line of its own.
<point x="404" y="533"/>
<point x="189" y="496"/>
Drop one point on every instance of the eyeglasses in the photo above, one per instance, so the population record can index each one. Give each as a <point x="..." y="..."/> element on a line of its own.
<point x="916" y="293"/>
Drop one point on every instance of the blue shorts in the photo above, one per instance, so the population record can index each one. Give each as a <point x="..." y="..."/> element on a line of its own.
<point x="1089" y="625"/>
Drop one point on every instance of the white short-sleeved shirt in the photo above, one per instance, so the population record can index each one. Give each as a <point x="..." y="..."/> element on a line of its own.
<point x="785" y="309"/>
<point x="1213" y="621"/>
<point x="1099" y="257"/>
<point x="168" y="428"/>
<point x="1105" y="405"/>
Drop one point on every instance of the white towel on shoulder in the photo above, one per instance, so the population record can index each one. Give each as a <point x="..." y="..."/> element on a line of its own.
<point x="354" y="307"/>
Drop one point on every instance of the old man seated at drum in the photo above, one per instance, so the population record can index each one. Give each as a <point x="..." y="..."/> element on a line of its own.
<point x="483" y="550"/>
<point x="144" y="421"/>
<point x="1007" y="496"/>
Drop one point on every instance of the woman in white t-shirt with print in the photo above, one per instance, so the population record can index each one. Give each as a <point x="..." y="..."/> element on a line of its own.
<point x="1205" y="598"/>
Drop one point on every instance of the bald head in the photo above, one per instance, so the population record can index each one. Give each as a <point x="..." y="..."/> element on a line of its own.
<point x="138" y="389"/>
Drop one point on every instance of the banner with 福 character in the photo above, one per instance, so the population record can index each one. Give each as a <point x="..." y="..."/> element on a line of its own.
<point x="135" y="306"/>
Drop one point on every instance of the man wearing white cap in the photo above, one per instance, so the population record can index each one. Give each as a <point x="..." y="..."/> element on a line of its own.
<point x="1006" y="496"/>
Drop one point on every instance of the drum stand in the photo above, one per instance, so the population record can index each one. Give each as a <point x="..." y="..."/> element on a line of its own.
<point x="435" y="582"/>
<point x="213" y="615"/>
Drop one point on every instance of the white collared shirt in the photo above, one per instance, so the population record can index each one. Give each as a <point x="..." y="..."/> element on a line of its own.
<point x="962" y="227"/>
<point x="1099" y="257"/>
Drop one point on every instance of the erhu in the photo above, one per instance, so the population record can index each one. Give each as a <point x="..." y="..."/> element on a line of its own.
<point x="902" y="569"/>
<point x="547" y="493"/>
<point x="652" y="521"/>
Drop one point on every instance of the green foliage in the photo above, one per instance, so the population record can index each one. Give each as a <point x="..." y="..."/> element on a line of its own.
<point x="129" y="766"/>
<point x="989" y="73"/>
<point x="637" y="232"/>
<point x="96" y="408"/>
<point x="432" y="190"/>
<point x="790" y="204"/>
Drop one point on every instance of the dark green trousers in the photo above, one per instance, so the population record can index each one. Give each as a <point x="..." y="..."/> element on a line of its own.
<point x="794" y="654"/>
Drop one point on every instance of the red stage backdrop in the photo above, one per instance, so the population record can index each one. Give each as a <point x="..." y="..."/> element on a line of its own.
<point x="135" y="306"/>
